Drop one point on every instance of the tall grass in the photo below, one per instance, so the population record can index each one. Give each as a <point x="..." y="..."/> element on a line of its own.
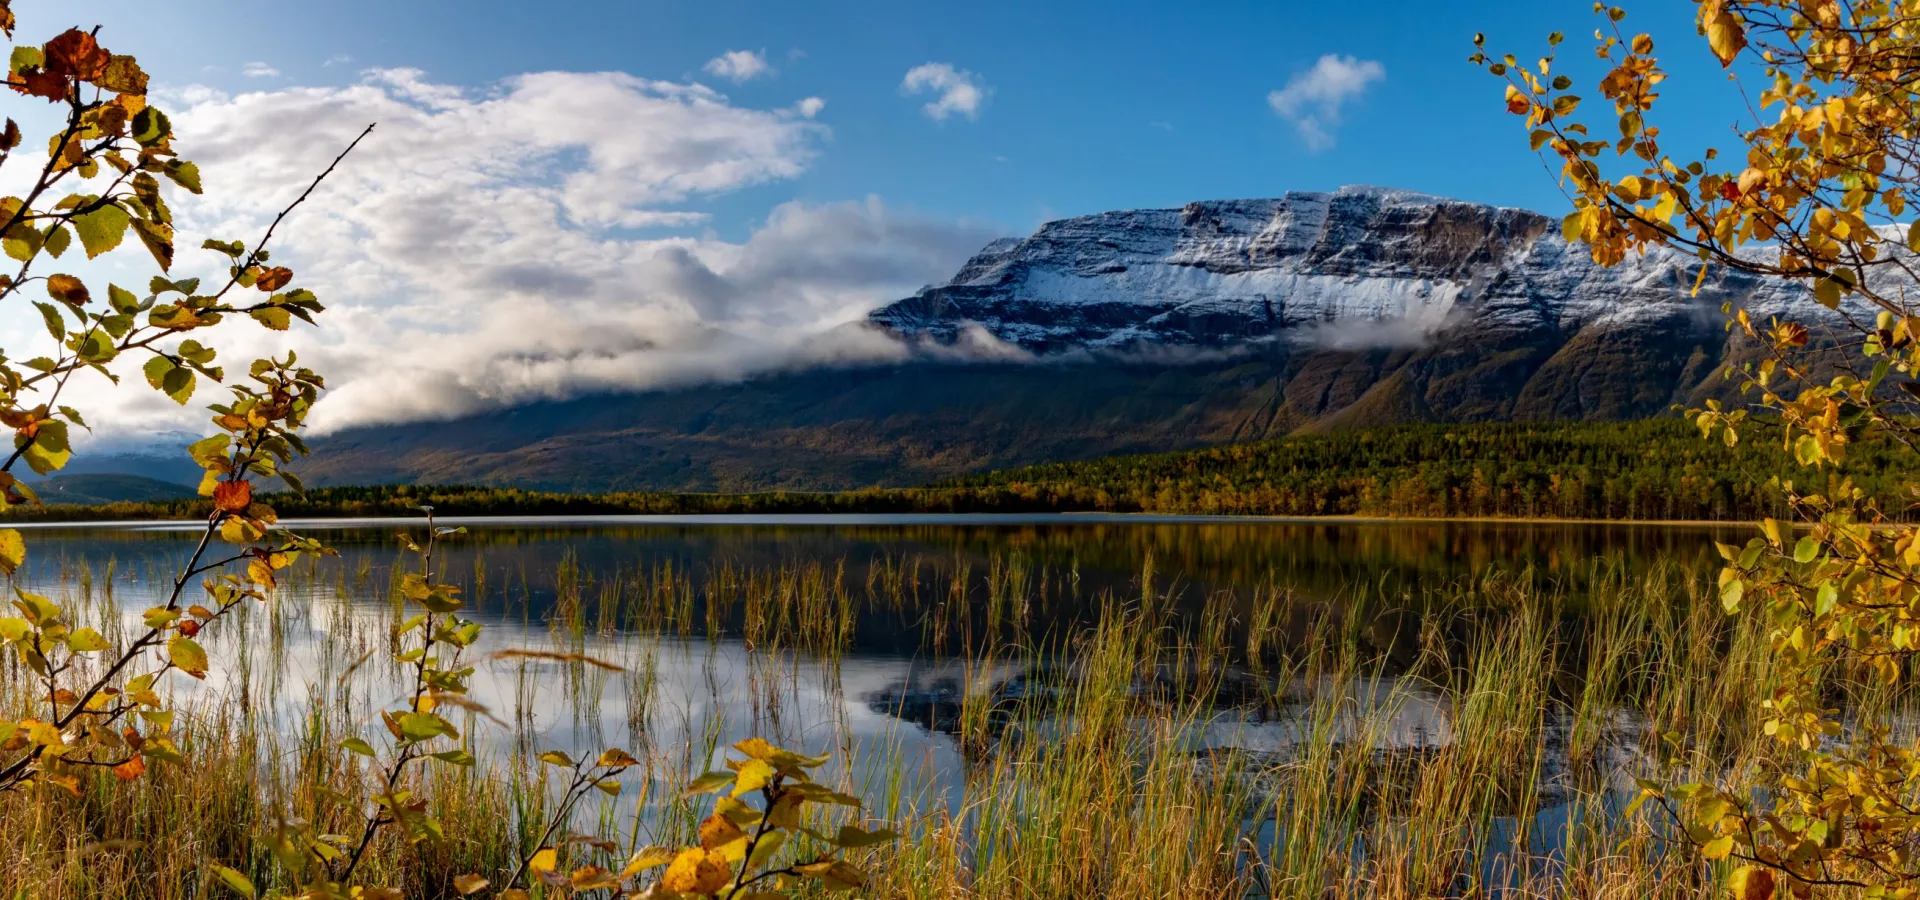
<point x="1476" y="738"/>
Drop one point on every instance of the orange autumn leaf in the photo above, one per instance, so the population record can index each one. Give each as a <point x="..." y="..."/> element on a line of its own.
<point x="274" y="279"/>
<point x="42" y="83"/>
<point x="131" y="769"/>
<point x="75" y="54"/>
<point x="233" y="496"/>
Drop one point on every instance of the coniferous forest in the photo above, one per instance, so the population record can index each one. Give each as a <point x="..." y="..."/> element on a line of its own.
<point x="1647" y="470"/>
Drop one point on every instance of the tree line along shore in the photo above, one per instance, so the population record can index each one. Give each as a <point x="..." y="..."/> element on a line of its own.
<point x="1653" y="470"/>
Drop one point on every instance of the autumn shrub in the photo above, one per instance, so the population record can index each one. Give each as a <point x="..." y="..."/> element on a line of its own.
<point x="100" y="715"/>
<point x="1815" y="191"/>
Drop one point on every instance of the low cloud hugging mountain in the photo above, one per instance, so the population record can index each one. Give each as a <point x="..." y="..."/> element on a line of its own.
<point x="542" y="238"/>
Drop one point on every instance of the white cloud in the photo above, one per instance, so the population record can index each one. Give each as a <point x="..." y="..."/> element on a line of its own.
<point x="259" y="70"/>
<point x="480" y="248"/>
<point x="740" y="66"/>
<point x="337" y="60"/>
<point x="1312" y="100"/>
<point x="959" y="91"/>
<point x="810" y="107"/>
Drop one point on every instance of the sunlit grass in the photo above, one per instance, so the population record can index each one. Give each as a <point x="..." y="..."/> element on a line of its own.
<point x="1474" y="738"/>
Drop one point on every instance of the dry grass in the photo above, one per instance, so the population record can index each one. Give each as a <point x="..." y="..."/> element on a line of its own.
<point x="1260" y="746"/>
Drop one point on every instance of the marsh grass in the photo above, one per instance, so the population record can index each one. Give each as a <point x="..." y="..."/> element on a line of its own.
<point x="1475" y="738"/>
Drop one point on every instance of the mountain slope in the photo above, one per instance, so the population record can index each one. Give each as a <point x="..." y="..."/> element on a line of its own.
<point x="1150" y="330"/>
<point x="94" y="489"/>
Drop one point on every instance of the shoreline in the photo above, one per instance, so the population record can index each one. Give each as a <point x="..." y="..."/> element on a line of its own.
<point x="890" y="518"/>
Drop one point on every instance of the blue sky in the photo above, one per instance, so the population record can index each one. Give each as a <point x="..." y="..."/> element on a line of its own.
<point x="1092" y="105"/>
<point x="570" y="197"/>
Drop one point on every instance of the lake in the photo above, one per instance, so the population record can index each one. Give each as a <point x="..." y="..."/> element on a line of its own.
<point x="915" y="648"/>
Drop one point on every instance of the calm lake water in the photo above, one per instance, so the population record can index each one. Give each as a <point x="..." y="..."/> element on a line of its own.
<point x="848" y="633"/>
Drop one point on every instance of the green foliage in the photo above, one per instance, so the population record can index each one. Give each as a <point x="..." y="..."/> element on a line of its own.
<point x="109" y="713"/>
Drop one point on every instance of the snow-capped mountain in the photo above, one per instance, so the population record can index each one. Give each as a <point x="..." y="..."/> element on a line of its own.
<point x="1154" y="330"/>
<point x="1360" y="267"/>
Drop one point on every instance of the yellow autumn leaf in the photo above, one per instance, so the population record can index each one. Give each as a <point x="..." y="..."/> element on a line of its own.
<point x="697" y="871"/>
<point x="1726" y="36"/>
<point x="544" y="861"/>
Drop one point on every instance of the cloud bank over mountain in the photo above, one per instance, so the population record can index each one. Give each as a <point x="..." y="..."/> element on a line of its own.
<point x="541" y="238"/>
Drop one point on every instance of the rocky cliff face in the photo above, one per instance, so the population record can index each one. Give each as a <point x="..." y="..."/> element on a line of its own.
<point x="1372" y="305"/>
<point x="1361" y="267"/>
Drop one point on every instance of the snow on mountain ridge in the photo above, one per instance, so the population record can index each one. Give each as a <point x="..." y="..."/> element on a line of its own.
<point x="1221" y="272"/>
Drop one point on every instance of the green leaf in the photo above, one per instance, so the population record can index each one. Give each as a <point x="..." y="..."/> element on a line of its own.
<point x="765" y="849"/>
<point x="1827" y="292"/>
<point x="206" y="450"/>
<point x="86" y="640"/>
<point x="39" y="610"/>
<point x="442" y="602"/>
<point x="709" y="782"/>
<point x="1825" y="598"/>
<point x="123" y="76"/>
<point x="457" y="757"/>
<point x="159" y="241"/>
<point x="160" y="617"/>
<point x="273" y="317"/>
<point x="58" y="239"/>
<point x="56" y="324"/>
<point x="122" y="299"/>
<point x="27" y="58"/>
<point x="184" y="174"/>
<point x="47" y="451"/>
<point x="95" y="347"/>
<point x="358" y="745"/>
<point x="419" y="726"/>
<point x="103" y="229"/>
<point x="150" y="126"/>
<point x="1806" y="549"/>
<point x="156" y="371"/>
<point x="1731" y="594"/>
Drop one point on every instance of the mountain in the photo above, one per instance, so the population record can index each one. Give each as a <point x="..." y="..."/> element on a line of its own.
<point x="93" y="489"/>
<point x="1150" y="330"/>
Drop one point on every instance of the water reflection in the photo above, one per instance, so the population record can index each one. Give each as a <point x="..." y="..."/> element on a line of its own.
<point x="855" y="635"/>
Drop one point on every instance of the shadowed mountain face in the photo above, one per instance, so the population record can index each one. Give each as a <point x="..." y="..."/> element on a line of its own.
<point x="1149" y="330"/>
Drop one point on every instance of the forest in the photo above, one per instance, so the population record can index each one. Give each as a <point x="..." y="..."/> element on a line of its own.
<point x="1643" y="471"/>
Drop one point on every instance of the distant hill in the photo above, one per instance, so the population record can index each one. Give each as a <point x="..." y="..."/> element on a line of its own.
<point x="99" y="488"/>
<point x="1156" y="329"/>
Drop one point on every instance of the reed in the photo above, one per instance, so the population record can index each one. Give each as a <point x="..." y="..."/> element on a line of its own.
<point x="1472" y="738"/>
